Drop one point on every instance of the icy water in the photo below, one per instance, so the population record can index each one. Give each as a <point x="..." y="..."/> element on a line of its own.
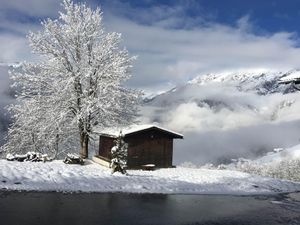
<point x="148" y="209"/>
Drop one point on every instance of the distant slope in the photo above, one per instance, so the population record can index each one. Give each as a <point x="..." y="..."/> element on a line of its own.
<point x="229" y="115"/>
<point x="259" y="83"/>
<point x="6" y="98"/>
<point x="258" y="93"/>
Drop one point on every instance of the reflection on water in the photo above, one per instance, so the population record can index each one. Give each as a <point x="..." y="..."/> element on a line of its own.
<point x="149" y="209"/>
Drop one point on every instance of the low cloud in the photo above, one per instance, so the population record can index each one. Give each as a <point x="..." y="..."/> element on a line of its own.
<point x="220" y="146"/>
<point x="30" y="8"/>
<point x="14" y="48"/>
<point x="220" y="123"/>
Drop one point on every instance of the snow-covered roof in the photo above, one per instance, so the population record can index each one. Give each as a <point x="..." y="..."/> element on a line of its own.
<point x="114" y="132"/>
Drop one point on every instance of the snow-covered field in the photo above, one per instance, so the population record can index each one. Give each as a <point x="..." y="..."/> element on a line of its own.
<point x="57" y="176"/>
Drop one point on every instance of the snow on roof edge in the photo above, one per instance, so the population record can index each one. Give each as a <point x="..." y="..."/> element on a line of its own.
<point x="132" y="129"/>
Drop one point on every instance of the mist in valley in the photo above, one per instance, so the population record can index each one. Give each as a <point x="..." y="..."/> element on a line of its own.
<point x="221" y="122"/>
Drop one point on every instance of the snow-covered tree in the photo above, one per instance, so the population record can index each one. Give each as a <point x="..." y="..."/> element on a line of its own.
<point x="76" y="86"/>
<point x="119" y="155"/>
<point x="40" y="122"/>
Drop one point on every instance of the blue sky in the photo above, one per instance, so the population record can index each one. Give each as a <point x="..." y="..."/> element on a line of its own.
<point x="176" y="40"/>
<point x="266" y="16"/>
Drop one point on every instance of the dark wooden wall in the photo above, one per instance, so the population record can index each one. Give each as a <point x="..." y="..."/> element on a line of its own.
<point x="156" y="151"/>
<point x="150" y="147"/>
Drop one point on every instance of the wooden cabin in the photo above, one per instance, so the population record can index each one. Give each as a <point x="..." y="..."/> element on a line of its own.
<point x="147" y="144"/>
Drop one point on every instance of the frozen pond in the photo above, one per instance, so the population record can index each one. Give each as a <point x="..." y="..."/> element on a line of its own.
<point x="149" y="209"/>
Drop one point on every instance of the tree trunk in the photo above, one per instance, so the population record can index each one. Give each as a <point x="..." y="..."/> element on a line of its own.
<point x="84" y="144"/>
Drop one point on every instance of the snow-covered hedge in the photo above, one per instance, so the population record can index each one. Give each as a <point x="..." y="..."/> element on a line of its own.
<point x="29" y="156"/>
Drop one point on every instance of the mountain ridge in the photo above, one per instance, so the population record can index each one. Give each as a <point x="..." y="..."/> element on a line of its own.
<point x="260" y="82"/>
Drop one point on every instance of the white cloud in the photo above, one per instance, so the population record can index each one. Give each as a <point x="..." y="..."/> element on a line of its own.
<point x="221" y="107"/>
<point x="221" y="122"/>
<point x="180" y="54"/>
<point x="219" y="146"/>
<point x="17" y="18"/>
<point x="34" y="8"/>
<point x="14" y="48"/>
<point x="168" y="56"/>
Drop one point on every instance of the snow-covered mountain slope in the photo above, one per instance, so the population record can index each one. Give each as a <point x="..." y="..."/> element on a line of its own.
<point x="261" y="83"/>
<point x="260" y="94"/>
<point x="238" y="114"/>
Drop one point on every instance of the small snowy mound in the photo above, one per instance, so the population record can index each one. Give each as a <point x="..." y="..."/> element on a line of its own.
<point x="57" y="176"/>
<point x="73" y="159"/>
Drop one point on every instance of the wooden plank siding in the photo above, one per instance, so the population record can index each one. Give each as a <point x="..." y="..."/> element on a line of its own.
<point x="150" y="146"/>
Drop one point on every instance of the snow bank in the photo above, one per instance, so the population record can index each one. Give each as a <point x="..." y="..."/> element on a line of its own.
<point x="114" y="132"/>
<point x="57" y="176"/>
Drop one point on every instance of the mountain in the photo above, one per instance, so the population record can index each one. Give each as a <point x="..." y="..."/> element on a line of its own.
<point x="223" y="115"/>
<point x="253" y="82"/>
<point x="236" y="91"/>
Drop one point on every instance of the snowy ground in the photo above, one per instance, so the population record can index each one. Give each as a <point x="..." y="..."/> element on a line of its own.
<point x="57" y="176"/>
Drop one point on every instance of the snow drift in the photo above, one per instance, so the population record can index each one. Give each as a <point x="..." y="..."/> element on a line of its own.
<point x="57" y="176"/>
